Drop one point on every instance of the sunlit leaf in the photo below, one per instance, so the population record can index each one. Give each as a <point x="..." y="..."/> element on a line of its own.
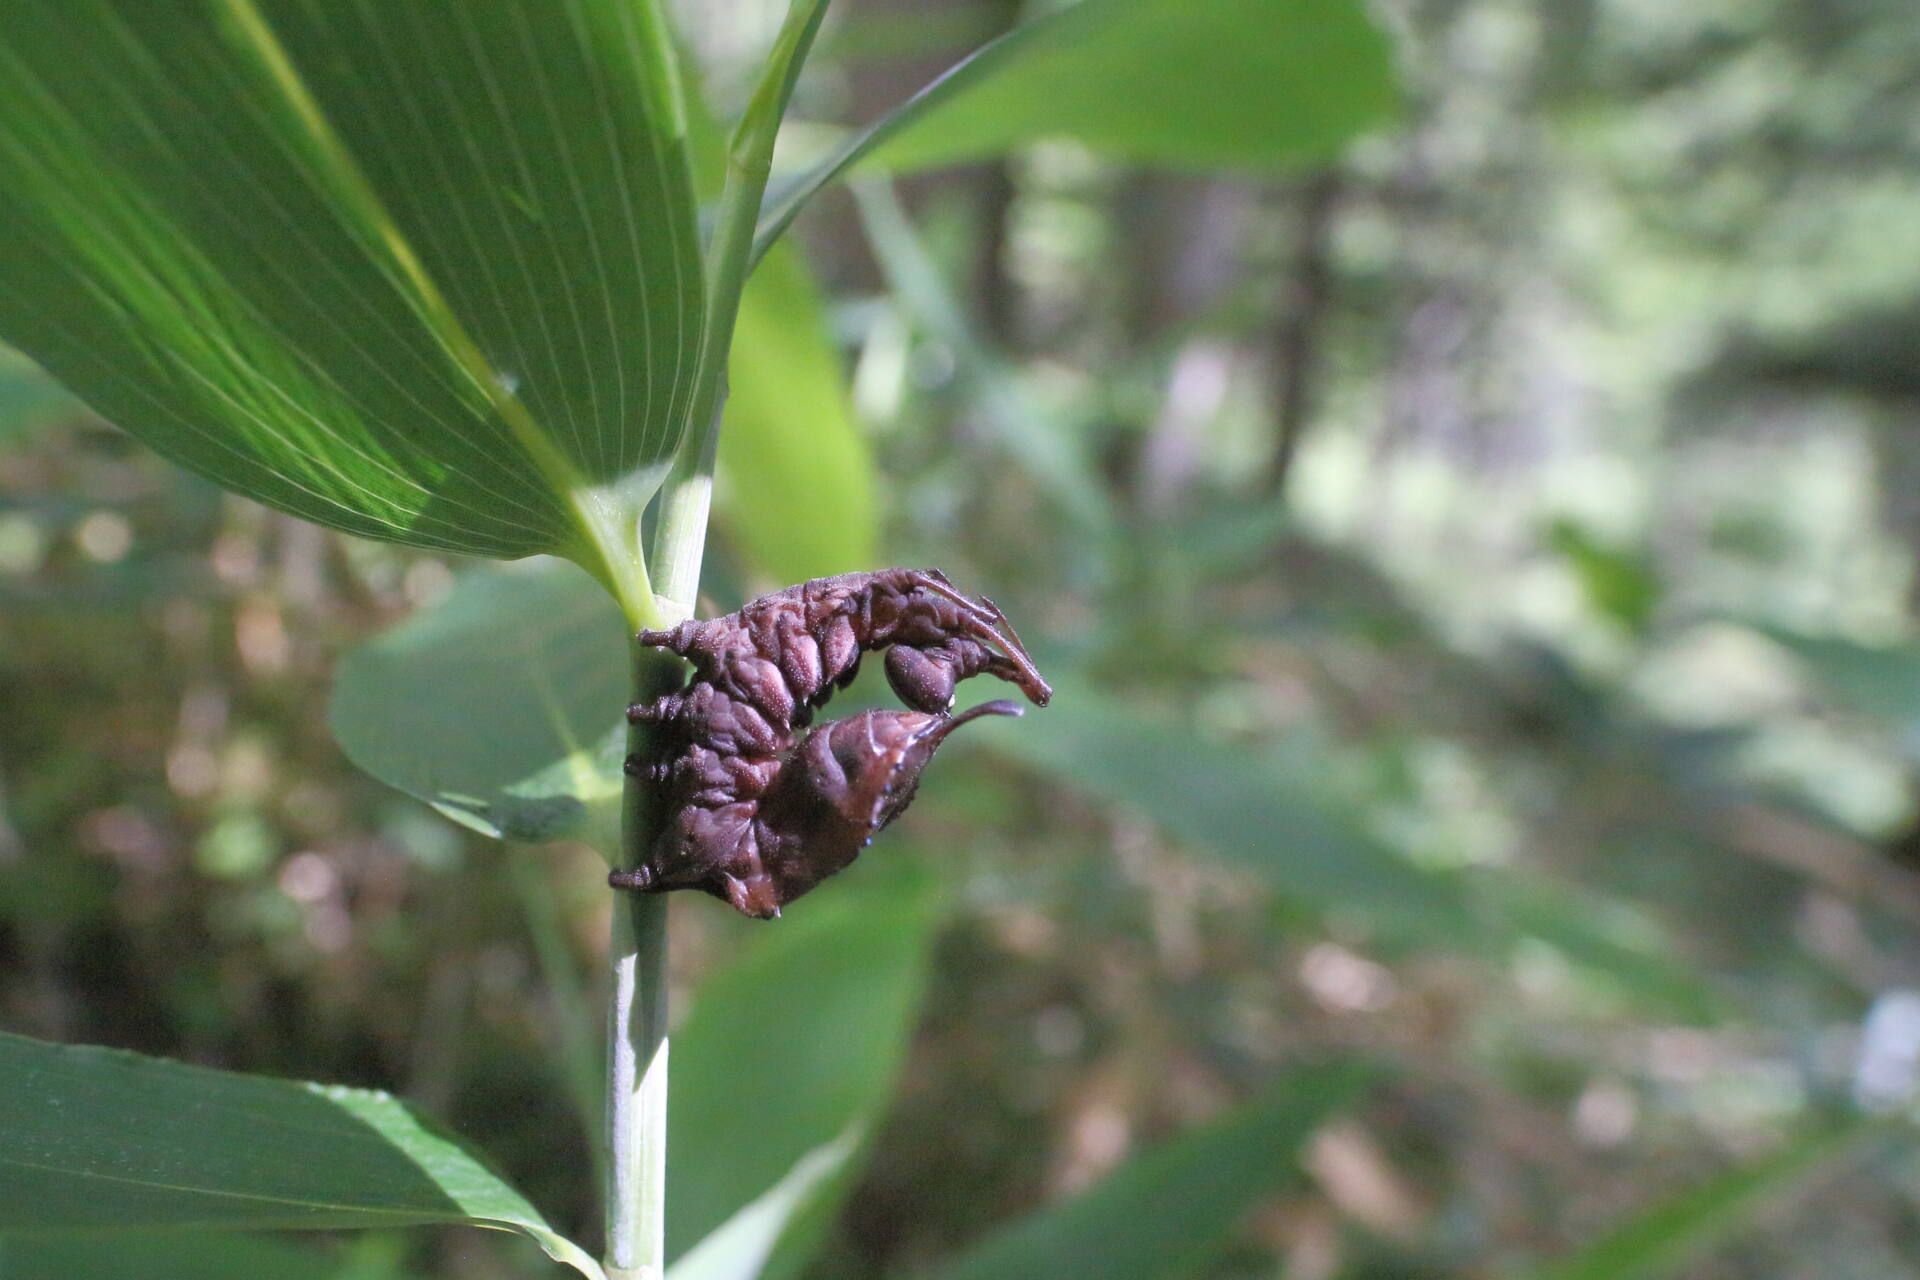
<point x="1230" y="83"/>
<point x="795" y="1045"/>
<point x="1664" y="1238"/>
<point x="742" y="1246"/>
<point x="501" y="706"/>
<point x="797" y="485"/>
<point x="98" y="1139"/>
<point x="425" y="272"/>
<point x="1162" y="1213"/>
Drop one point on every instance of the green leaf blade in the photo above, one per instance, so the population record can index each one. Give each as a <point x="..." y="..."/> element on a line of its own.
<point x="175" y="1255"/>
<point x="1239" y="805"/>
<point x="1161" y="1213"/>
<point x="195" y="251"/>
<point x="522" y="159"/>
<point x="1232" y="83"/>
<point x="1239" y="84"/>
<point x="798" y="491"/>
<point x="500" y="706"/>
<point x="1665" y="1237"/>
<point x="102" y="1140"/>
<point x="794" y="1047"/>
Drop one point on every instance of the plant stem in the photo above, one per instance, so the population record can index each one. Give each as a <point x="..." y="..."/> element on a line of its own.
<point x="636" y="1167"/>
<point x="730" y="257"/>
<point x="637" y="1013"/>
<point x="637" y="1091"/>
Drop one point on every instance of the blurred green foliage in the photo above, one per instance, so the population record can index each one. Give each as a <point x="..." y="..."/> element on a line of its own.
<point x="1481" y="572"/>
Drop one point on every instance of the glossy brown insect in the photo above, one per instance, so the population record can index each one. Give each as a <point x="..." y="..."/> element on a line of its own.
<point x="763" y="807"/>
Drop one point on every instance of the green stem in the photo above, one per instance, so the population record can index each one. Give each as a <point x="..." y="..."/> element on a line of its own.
<point x="730" y="256"/>
<point x="637" y="1091"/>
<point x="636" y="1169"/>
<point x="637" y="1013"/>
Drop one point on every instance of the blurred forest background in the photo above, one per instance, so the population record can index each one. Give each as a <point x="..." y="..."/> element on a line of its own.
<point x="1481" y="565"/>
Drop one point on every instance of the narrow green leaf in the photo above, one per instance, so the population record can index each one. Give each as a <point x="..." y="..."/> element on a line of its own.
<point x="1607" y="937"/>
<point x="796" y="1045"/>
<point x="176" y="1255"/>
<point x="1237" y="803"/>
<point x="788" y="196"/>
<point x="99" y="1140"/>
<point x="797" y="488"/>
<point x="1230" y="83"/>
<point x="423" y="272"/>
<point x="1235" y="83"/>
<point x="501" y="706"/>
<point x="1040" y="440"/>
<point x="1161" y="1214"/>
<point x="742" y="1246"/>
<point x="1664" y="1238"/>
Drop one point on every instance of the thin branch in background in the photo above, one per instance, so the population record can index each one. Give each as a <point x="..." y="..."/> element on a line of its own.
<point x="1204" y="229"/>
<point x="1297" y="345"/>
<point x="1850" y="868"/>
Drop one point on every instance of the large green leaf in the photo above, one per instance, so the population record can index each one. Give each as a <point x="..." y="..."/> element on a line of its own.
<point x="1662" y="1239"/>
<point x="797" y="489"/>
<point x="1229" y="83"/>
<point x="1161" y="1214"/>
<point x="176" y="1255"/>
<point x="1240" y="803"/>
<point x="501" y="706"/>
<point x="794" y="1047"/>
<point x="425" y="272"/>
<point x="98" y="1139"/>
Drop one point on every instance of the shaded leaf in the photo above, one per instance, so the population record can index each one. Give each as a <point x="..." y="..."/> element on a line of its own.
<point x="797" y="485"/>
<point x="501" y="706"/>
<point x="98" y="1139"/>
<point x="1162" y="1213"/>
<point x="1236" y="802"/>
<point x="1605" y="936"/>
<point x="176" y="1255"/>
<point x="422" y="272"/>
<point x="1668" y="1235"/>
<point x="795" y="1045"/>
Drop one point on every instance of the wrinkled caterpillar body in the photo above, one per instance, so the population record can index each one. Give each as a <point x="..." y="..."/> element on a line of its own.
<point x="763" y="804"/>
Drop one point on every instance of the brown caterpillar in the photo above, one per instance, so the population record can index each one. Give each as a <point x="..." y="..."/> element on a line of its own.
<point x="761" y="806"/>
